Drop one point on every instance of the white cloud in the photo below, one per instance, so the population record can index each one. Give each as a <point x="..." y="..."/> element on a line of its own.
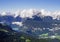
<point x="7" y="14"/>
<point x="3" y="13"/>
<point x="18" y="23"/>
<point x="30" y="12"/>
<point x="55" y="14"/>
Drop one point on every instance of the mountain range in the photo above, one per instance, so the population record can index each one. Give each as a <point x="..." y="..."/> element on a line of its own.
<point x="32" y="22"/>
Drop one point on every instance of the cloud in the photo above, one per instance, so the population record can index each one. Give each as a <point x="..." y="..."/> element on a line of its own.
<point x="22" y="13"/>
<point x="3" y="13"/>
<point x="45" y="12"/>
<point x="28" y="13"/>
<point x="31" y="12"/>
<point x="18" y="23"/>
<point x="55" y="14"/>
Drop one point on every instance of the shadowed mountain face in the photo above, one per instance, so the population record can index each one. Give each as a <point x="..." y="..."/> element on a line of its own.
<point x="36" y="25"/>
<point x="42" y="25"/>
<point x="10" y="19"/>
<point x="7" y="34"/>
<point x="13" y="36"/>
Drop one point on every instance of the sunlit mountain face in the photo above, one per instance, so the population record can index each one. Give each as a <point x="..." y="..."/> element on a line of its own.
<point x="33" y="22"/>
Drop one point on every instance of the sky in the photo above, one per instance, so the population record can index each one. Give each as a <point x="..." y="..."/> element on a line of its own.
<point x="27" y="4"/>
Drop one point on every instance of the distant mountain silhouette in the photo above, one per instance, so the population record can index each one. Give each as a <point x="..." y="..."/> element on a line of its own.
<point x="18" y="19"/>
<point x="37" y="18"/>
